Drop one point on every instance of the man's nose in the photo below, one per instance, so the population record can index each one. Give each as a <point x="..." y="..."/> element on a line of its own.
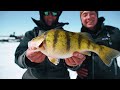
<point x="50" y="15"/>
<point x="88" y="16"/>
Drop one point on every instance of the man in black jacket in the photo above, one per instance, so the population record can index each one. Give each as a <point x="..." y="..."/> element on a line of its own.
<point x="93" y="67"/>
<point x="37" y="64"/>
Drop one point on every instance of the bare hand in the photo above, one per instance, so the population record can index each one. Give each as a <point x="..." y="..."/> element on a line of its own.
<point x="82" y="73"/>
<point x="34" y="56"/>
<point x="76" y="59"/>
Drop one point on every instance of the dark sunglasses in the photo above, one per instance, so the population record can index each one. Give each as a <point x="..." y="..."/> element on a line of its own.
<point x="46" y="13"/>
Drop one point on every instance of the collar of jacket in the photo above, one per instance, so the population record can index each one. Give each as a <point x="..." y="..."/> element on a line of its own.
<point x="41" y="25"/>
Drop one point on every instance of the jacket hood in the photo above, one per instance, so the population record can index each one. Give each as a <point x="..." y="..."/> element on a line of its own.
<point x="41" y="23"/>
<point x="43" y="26"/>
<point x="41" y="13"/>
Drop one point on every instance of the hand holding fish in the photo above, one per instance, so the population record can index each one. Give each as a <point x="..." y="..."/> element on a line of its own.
<point x="33" y="56"/>
<point x="83" y="73"/>
<point x="76" y="59"/>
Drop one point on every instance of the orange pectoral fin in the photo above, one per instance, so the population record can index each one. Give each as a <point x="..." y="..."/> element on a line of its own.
<point x="54" y="60"/>
<point x="87" y="53"/>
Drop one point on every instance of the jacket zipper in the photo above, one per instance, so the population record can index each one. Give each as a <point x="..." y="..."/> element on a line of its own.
<point x="114" y="61"/>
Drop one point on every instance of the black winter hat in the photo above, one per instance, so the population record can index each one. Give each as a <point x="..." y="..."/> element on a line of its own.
<point x="83" y="11"/>
<point x="42" y="23"/>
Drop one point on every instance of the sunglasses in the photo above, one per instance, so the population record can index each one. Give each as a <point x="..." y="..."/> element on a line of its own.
<point x="53" y="13"/>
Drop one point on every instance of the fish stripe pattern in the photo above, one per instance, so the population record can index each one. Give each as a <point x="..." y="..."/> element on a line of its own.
<point x="61" y="44"/>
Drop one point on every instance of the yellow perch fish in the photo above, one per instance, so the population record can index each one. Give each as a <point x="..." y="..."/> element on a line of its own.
<point x="60" y="44"/>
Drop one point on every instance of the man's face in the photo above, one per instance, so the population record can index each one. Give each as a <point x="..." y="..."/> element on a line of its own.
<point x="89" y="19"/>
<point x="50" y="17"/>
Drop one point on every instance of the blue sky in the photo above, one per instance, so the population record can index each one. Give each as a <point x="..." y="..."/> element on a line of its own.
<point x="20" y="21"/>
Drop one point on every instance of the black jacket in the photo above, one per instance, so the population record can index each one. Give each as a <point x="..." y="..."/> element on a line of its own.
<point x="103" y="35"/>
<point x="46" y="69"/>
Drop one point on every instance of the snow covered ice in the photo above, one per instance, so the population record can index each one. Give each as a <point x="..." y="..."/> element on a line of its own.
<point x="8" y="68"/>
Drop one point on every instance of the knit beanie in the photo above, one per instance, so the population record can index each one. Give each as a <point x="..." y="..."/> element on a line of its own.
<point x="83" y="11"/>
